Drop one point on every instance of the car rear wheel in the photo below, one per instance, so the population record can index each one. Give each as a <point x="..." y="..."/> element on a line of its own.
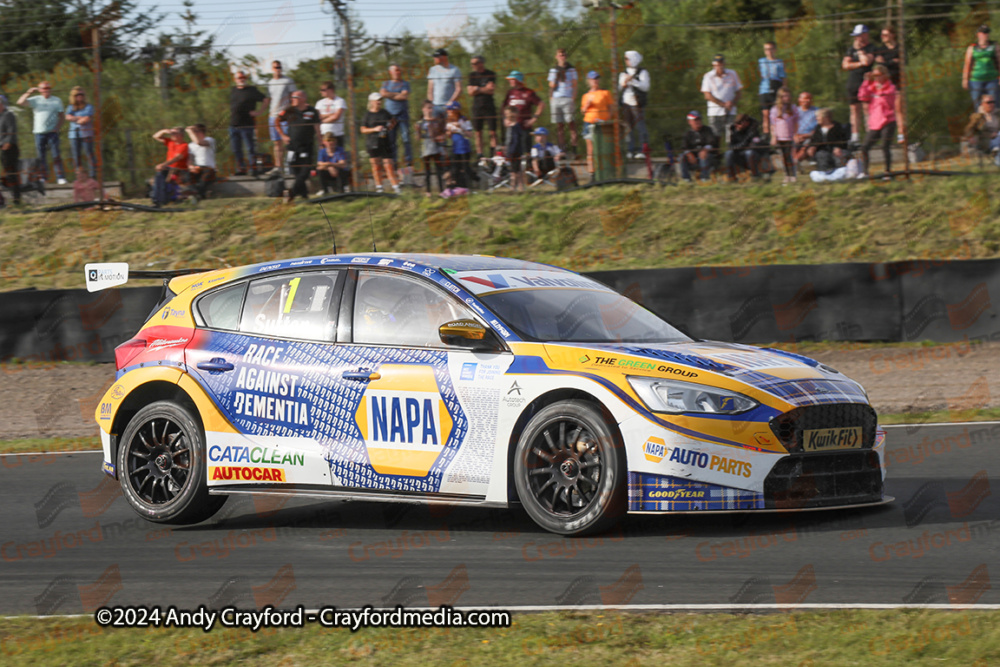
<point x="161" y="466"/>
<point x="569" y="469"/>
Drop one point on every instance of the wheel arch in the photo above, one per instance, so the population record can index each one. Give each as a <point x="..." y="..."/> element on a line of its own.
<point x="143" y="395"/>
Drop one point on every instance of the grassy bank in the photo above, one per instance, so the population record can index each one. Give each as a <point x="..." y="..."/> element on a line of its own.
<point x="602" y="228"/>
<point x="873" y="638"/>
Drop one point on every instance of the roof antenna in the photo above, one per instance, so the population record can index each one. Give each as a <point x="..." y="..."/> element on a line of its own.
<point x="371" y="220"/>
<point x="331" y="228"/>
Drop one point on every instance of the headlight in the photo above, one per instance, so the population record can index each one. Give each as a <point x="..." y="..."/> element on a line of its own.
<point x="676" y="397"/>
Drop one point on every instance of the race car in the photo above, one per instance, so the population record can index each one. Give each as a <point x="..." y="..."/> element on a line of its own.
<point x="467" y="380"/>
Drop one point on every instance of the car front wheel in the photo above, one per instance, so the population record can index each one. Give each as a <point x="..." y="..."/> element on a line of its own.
<point x="569" y="469"/>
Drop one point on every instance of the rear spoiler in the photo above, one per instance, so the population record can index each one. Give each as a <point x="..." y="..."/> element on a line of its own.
<point x="112" y="274"/>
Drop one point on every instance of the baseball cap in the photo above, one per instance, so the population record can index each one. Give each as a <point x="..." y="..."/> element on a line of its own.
<point x="440" y="52"/>
<point x="985" y="29"/>
<point x="592" y="74"/>
<point x="541" y="130"/>
<point x="374" y="96"/>
<point x="453" y="106"/>
<point x="514" y="74"/>
<point x="718" y="58"/>
<point x="694" y="114"/>
<point x="859" y="29"/>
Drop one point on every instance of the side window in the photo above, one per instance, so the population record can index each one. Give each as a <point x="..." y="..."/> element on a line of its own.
<point x="291" y="306"/>
<point x="221" y="309"/>
<point x="398" y="310"/>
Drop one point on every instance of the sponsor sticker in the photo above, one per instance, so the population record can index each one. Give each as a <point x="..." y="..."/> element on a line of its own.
<point x="245" y="474"/>
<point x="103" y="276"/>
<point x="654" y="449"/>
<point x="827" y="439"/>
<point x="108" y="468"/>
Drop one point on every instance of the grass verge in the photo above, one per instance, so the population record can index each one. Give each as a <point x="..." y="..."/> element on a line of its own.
<point x="871" y="638"/>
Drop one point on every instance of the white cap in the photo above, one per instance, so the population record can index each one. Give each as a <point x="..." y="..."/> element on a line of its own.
<point x="374" y="96"/>
<point x="859" y="29"/>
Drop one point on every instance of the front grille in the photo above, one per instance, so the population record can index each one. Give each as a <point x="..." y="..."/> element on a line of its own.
<point x="788" y="427"/>
<point x="801" y="481"/>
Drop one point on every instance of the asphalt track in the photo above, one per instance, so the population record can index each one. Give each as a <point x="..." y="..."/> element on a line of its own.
<point x="69" y="543"/>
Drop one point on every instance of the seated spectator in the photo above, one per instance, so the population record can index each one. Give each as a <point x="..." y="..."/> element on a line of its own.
<point x="828" y="146"/>
<point x="807" y="125"/>
<point x="543" y="154"/>
<point x="700" y="147"/>
<point x="333" y="165"/>
<point x="983" y="130"/>
<point x="201" y="152"/>
<point x="85" y="187"/>
<point x="784" y="127"/>
<point x="173" y="171"/>
<point x="459" y="128"/>
<point x="745" y="146"/>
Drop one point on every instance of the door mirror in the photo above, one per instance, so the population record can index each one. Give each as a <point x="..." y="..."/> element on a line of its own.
<point x="466" y="333"/>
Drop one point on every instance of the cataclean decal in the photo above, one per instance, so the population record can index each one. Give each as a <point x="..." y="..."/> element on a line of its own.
<point x="243" y="454"/>
<point x="247" y="474"/>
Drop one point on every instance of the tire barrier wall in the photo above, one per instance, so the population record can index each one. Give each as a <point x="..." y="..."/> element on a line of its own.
<point x="942" y="301"/>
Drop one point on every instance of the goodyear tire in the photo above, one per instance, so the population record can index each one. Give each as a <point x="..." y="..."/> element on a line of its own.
<point x="569" y="470"/>
<point x="161" y="466"/>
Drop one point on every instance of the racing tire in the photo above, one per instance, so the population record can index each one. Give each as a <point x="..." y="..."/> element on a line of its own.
<point x="569" y="469"/>
<point x="162" y="467"/>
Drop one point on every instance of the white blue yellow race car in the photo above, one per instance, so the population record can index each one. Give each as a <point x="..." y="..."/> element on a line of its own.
<point x="468" y="380"/>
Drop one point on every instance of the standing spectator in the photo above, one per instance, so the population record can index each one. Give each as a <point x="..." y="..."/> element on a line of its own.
<point x="396" y="93"/>
<point x="878" y="92"/>
<point x="460" y="129"/>
<point x="857" y="62"/>
<point x="543" y="154"/>
<point x="634" y="85"/>
<point x="444" y="82"/>
<point x="562" y="86"/>
<point x="430" y="128"/>
<point x="982" y="67"/>
<point x="700" y="146"/>
<point x="279" y="93"/>
<point x="784" y="127"/>
<point x="482" y="85"/>
<point x="807" y="125"/>
<point x="596" y="108"/>
<point x="828" y="147"/>
<point x="376" y="124"/>
<point x="526" y="107"/>
<point x="85" y="187"/>
<point x="983" y="130"/>
<point x="331" y="108"/>
<point x="333" y="166"/>
<point x="243" y="112"/>
<point x="80" y="116"/>
<point x="48" y="119"/>
<point x="722" y="89"/>
<point x="888" y="54"/>
<point x="302" y="123"/>
<point x="172" y="171"/>
<point x="772" y="77"/>
<point x="9" y="153"/>
<point x="744" y="146"/>
<point x="201" y="159"/>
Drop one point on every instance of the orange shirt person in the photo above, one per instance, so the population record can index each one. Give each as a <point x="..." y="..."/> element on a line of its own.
<point x="596" y="106"/>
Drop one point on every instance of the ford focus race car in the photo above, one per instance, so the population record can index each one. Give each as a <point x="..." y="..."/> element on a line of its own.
<point x="467" y="380"/>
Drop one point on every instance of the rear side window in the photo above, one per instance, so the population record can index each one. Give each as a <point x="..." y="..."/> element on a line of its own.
<point x="221" y="309"/>
<point x="291" y="306"/>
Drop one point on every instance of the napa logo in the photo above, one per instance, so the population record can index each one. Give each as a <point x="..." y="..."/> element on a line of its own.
<point x="654" y="449"/>
<point x="403" y="420"/>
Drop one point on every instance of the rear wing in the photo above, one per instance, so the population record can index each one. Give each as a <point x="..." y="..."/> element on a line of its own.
<point x="112" y="274"/>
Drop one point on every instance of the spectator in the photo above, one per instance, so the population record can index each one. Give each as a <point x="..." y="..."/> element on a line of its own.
<point x="331" y="108"/>
<point x="857" y="62"/>
<point x="460" y="129"/>
<point x="444" y="82"/>
<point x="431" y="129"/>
<point x="279" y="93"/>
<point x="543" y="154"/>
<point x="333" y="166"/>
<point x="981" y="133"/>
<point x="396" y="93"/>
<point x="634" y="85"/>
<point x="982" y="67"/>
<point x="47" y="121"/>
<point x="482" y="85"/>
<point x="377" y="123"/>
<point x="807" y="125"/>
<point x="526" y="107"/>
<point x="772" y="77"/>
<point x="745" y="146"/>
<point x="563" y="81"/>
<point x="700" y="147"/>
<point x="243" y="112"/>
<point x="722" y="89"/>
<point x="9" y="153"/>
<point x="171" y="172"/>
<point x="784" y="127"/>
<point x="298" y="128"/>
<point x="828" y="147"/>
<point x="596" y="108"/>
<point x="888" y="54"/>
<point x="878" y="92"/>
<point x="85" y="187"/>
<point x="201" y="159"/>
<point x="80" y="116"/>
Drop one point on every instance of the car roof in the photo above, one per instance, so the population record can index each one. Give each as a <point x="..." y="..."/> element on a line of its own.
<point x="440" y="262"/>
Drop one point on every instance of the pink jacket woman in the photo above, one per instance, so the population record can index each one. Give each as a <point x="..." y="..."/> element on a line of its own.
<point x="881" y="100"/>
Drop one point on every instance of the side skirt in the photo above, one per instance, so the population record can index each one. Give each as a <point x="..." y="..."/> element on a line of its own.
<point x="356" y="494"/>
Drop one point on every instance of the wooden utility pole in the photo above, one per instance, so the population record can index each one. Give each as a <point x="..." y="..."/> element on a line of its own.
<point x="340" y="8"/>
<point x="95" y="38"/>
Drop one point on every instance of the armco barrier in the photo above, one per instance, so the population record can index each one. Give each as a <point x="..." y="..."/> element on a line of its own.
<point x="943" y="301"/>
